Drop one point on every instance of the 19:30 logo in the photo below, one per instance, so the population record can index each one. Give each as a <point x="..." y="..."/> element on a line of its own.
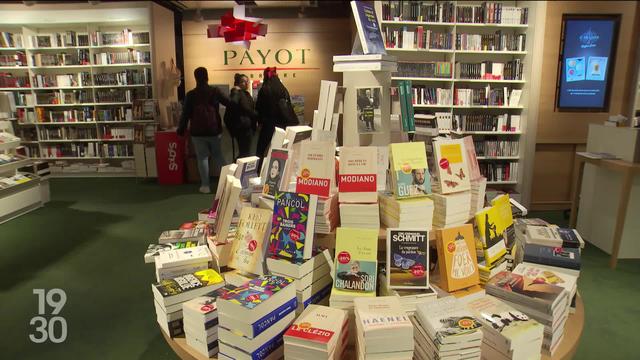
<point x="54" y="328"/>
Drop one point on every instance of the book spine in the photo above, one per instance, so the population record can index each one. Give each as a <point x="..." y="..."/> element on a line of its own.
<point x="315" y="298"/>
<point x="266" y="321"/>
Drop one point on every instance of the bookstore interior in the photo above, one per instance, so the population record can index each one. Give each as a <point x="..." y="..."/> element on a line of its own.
<point x="451" y="180"/>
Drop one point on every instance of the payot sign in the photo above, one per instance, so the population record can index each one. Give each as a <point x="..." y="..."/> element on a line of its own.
<point x="289" y="61"/>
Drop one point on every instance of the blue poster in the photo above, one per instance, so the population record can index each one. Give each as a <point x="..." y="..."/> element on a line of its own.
<point x="585" y="69"/>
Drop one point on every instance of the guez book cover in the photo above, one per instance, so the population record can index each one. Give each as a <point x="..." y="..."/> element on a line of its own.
<point x="409" y="170"/>
<point x="247" y="250"/>
<point x="457" y="258"/>
<point x="356" y="262"/>
<point x="292" y="225"/>
<point x="407" y="258"/>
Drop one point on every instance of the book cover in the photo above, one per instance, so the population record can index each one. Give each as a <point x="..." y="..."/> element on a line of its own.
<point x="188" y="282"/>
<point x="172" y="236"/>
<point x="409" y="171"/>
<point x="368" y="28"/>
<point x="553" y="256"/>
<point x="491" y="231"/>
<point x="508" y="282"/>
<point x="447" y="319"/>
<point x="185" y="256"/>
<point x="407" y="259"/>
<point x="316" y="168"/>
<point x="247" y="251"/>
<point x="382" y="313"/>
<point x="356" y="262"/>
<point x="369" y="109"/>
<point x="502" y="204"/>
<point x="255" y="292"/>
<point x="504" y="319"/>
<point x="247" y="169"/>
<point x="474" y="168"/>
<point x="451" y="165"/>
<point x="275" y="171"/>
<point x="542" y="275"/>
<point x="317" y="324"/>
<point x="357" y="181"/>
<point x="292" y="226"/>
<point x="457" y="258"/>
<point x="154" y="250"/>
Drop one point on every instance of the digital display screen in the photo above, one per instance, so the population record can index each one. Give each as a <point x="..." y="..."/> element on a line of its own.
<point x="588" y="53"/>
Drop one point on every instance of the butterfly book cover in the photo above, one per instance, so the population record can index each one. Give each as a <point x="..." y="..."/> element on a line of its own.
<point x="409" y="169"/>
<point x="356" y="262"/>
<point x="452" y="166"/>
<point x="247" y="250"/>
<point x="292" y="226"/>
<point x="491" y="232"/>
<point x="457" y="257"/>
<point x="407" y="258"/>
<point x="255" y="292"/>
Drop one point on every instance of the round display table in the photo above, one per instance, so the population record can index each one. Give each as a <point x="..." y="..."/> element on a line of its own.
<point x="566" y="350"/>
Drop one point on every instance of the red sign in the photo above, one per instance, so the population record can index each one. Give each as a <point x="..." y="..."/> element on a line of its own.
<point x="357" y="183"/>
<point x="344" y="257"/>
<point x="170" y="157"/>
<point x="305" y="331"/>
<point x="313" y="186"/>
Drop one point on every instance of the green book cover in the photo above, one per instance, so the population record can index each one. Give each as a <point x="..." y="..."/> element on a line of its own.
<point x="356" y="262"/>
<point x="411" y="123"/>
<point x="403" y="105"/>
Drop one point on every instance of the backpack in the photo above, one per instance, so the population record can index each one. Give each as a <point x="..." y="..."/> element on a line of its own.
<point x="205" y="119"/>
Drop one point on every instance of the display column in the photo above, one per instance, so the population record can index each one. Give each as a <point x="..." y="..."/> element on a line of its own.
<point x="353" y="80"/>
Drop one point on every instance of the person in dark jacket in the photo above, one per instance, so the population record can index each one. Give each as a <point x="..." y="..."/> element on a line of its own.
<point x="269" y="105"/>
<point x="241" y="124"/>
<point x="201" y="109"/>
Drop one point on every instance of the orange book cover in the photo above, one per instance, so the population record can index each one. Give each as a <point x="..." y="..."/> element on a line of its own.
<point x="457" y="260"/>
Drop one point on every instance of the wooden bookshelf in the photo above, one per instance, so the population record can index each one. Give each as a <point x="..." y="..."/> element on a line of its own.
<point x="455" y="55"/>
<point x="140" y="40"/>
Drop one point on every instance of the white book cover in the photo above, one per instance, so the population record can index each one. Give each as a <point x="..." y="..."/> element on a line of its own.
<point x="448" y="320"/>
<point x="382" y="167"/>
<point x="186" y="256"/>
<point x="381" y="314"/>
<point x="316" y="170"/>
<point x="451" y="165"/>
<point x="357" y="180"/>
<point x="318" y="326"/>
<point x="514" y="99"/>
<point x="544" y="275"/>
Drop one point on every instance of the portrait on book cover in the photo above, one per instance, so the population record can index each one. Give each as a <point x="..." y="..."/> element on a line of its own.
<point x="369" y="112"/>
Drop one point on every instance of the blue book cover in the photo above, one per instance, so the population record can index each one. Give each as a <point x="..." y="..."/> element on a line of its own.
<point x="266" y="321"/>
<point x="553" y="256"/>
<point x="368" y="28"/>
<point x="293" y="217"/>
<point x="263" y="351"/>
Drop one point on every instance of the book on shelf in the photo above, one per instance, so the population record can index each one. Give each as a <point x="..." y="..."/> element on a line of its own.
<point x="357" y="181"/>
<point x="316" y="170"/>
<point x="185" y="287"/>
<point x="292" y="226"/>
<point x="368" y="28"/>
<point x="451" y="165"/>
<point x="433" y="69"/>
<point x="422" y="11"/>
<point x="409" y="170"/>
<point x="406" y="96"/>
<point x="492" y="13"/>
<point x="407" y="263"/>
<point x="355" y="263"/>
<point x="457" y="259"/>
<point x="248" y="247"/>
<point x="491" y="42"/>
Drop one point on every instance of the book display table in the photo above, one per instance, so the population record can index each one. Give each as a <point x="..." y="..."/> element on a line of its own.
<point x="566" y="350"/>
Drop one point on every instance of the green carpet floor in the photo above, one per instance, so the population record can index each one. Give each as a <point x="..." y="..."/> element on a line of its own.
<point x="90" y="239"/>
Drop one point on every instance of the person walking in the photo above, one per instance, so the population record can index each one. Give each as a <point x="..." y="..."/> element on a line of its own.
<point x="201" y="110"/>
<point x="241" y="125"/>
<point x="274" y="109"/>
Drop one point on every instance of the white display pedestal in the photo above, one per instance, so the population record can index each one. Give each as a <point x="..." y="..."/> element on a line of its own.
<point x="363" y="78"/>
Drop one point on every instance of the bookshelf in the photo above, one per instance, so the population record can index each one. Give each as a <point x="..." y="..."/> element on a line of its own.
<point x="500" y="40"/>
<point x="79" y="78"/>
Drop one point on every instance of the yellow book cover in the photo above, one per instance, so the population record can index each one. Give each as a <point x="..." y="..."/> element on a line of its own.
<point x="491" y="230"/>
<point x="451" y="165"/>
<point x="502" y="204"/>
<point x="457" y="258"/>
<point x="356" y="265"/>
<point x="409" y="169"/>
<point x="248" y="247"/>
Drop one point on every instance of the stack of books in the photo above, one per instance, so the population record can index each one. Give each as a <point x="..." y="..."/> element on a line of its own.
<point x="551" y="276"/>
<point x="320" y="332"/>
<point x="312" y="278"/>
<point x="553" y="236"/>
<point x="384" y="329"/>
<point x="508" y="333"/>
<point x="254" y="316"/>
<point x="451" y="210"/>
<point x="200" y="318"/>
<point x="172" y="263"/>
<point x="170" y="294"/>
<point x="366" y="216"/>
<point x="478" y="189"/>
<point x="543" y="301"/>
<point x="327" y="214"/>
<point x="405" y="213"/>
<point x="446" y="329"/>
<point x="409" y="298"/>
<point x="487" y="272"/>
<point x="371" y="62"/>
